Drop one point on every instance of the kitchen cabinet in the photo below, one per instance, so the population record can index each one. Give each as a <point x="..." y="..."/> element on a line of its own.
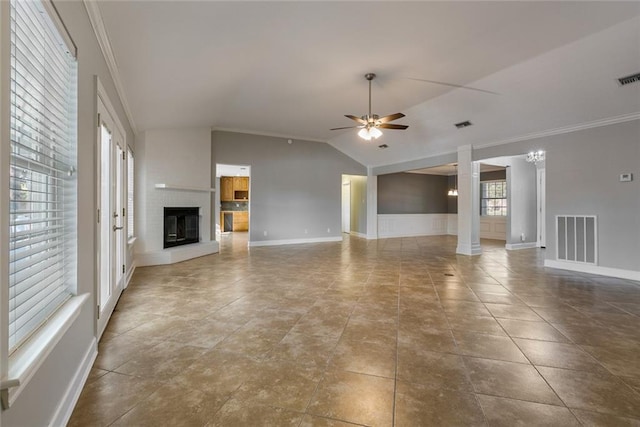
<point x="241" y="221"/>
<point x="240" y="183"/>
<point x="234" y="220"/>
<point x="226" y="188"/>
<point x="234" y="188"/>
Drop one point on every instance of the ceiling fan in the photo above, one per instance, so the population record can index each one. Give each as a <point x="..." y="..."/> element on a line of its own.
<point x="371" y="124"/>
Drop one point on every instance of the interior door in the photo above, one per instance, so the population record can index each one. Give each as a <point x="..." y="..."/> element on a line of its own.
<point x="111" y="216"/>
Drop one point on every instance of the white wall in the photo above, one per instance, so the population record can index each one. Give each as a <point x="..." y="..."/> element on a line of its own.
<point x="409" y="225"/>
<point x="493" y="227"/>
<point x="179" y="158"/>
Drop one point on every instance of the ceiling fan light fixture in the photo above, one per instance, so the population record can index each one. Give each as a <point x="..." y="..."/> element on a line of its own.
<point x="369" y="133"/>
<point x="364" y="134"/>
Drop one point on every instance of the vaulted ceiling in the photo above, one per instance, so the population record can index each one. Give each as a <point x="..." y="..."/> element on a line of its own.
<point x="293" y="69"/>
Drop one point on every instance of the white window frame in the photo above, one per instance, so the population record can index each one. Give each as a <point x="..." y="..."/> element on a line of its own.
<point x="505" y="198"/>
<point x="17" y="368"/>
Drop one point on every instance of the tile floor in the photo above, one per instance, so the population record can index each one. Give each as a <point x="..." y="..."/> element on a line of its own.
<point x="397" y="332"/>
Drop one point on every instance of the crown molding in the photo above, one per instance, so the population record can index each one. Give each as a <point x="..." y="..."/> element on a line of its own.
<point x="93" y="10"/>
<point x="566" y="129"/>
<point x="557" y="131"/>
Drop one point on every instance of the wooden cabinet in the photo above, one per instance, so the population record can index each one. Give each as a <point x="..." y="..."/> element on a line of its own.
<point x="226" y="188"/>
<point x="234" y="188"/>
<point x="241" y="221"/>
<point x="240" y="183"/>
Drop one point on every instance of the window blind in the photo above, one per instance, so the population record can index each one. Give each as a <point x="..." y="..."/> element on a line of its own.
<point x="42" y="182"/>
<point x="130" y="183"/>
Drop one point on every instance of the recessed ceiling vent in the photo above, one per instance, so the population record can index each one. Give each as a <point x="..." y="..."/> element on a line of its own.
<point x="463" y="124"/>
<point x="629" y="79"/>
<point x="383" y="146"/>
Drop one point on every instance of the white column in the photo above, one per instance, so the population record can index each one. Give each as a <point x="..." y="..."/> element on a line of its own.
<point x="372" y="205"/>
<point x="468" y="203"/>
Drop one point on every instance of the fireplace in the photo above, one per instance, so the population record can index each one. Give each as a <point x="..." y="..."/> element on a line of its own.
<point x="181" y="226"/>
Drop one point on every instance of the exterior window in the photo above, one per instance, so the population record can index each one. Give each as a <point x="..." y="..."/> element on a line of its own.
<point x="130" y="185"/>
<point x="493" y="198"/>
<point x="42" y="205"/>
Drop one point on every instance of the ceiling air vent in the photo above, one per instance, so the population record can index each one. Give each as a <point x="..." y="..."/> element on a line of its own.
<point x="629" y="79"/>
<point x="383" y="146"/>
<point x="463" y="124"/>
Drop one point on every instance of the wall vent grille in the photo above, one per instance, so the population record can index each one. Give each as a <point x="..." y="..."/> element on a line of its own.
<point x="629" y="79"/>
<point x="576" y="238"/>
<point x="463" y="124"/>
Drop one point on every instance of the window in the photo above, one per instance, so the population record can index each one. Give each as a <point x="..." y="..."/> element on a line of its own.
<point x="42" y="196"/>
<point x="130" y="182"/>
<point x="493" y="198"/>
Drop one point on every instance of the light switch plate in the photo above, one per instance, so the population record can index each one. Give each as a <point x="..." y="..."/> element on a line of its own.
<point x="626" y="177"/>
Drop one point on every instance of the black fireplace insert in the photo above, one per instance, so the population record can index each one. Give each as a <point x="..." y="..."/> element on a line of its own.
<point x="181" y="226"/>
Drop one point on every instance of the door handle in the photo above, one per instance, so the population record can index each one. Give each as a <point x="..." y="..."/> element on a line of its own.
<point x="117" y="228"/>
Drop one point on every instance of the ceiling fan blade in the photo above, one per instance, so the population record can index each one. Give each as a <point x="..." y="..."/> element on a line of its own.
<point x="348" y="127"/>
<point x="357" y="119"/>
<point x="390" y="118"/>
<point x="392" y="126"/>
<point x="452" y="85"/>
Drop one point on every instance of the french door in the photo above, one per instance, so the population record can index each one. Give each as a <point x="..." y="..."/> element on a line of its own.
<point x="111" y="193"/>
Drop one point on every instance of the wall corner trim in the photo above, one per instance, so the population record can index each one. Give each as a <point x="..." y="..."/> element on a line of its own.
<point x="72" y="394"/>
<point x="93" y="11"/>
<point x="593" y="269"/>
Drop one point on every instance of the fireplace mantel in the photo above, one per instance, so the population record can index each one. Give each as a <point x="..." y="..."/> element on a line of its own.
<point x="183" y="188"/>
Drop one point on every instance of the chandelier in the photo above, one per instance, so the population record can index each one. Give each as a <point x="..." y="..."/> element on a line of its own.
<point x="535" y="156"/>
<point x="454" y="191"/>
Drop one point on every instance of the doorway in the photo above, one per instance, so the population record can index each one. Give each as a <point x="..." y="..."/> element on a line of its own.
<point x="346" y="204"/>
<point x="110" y="164"/>
<point x="233" y="199"/>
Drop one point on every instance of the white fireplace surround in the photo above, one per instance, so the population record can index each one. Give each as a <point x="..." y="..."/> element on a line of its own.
<point x="173" y="169"/>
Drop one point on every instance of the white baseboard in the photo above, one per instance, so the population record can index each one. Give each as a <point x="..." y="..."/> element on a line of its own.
<point x="177" y="254"/>
<point x="593" y="269"/>
<point x="132" y="269"/>
<point x="517" y="246"/>
<point x="71" y="395"/>
<point x="295" y="241"/>
<point x="361" y="235"/>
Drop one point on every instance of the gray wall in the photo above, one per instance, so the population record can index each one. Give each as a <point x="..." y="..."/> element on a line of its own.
<point x="412" y="193"/>
<point x="294" y="187"/>
<point x="521" y="199"/>
<point x="358" y="204"/>
<point x="41" y="397"/>
<point x="582" y="170"/>
<point x="493" y="175"/>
